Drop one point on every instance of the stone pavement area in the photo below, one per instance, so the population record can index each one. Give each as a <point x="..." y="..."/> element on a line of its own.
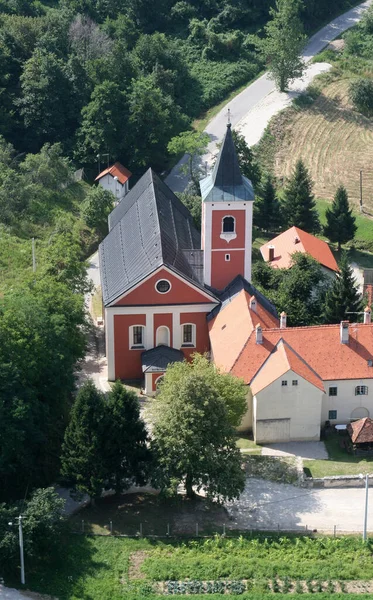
<point x="12" y="594"/>
<point x="268" y="505"/>
<point x="309" y="450"/>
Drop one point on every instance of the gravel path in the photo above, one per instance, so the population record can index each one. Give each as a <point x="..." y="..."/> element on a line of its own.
<point x="308" y="450"/>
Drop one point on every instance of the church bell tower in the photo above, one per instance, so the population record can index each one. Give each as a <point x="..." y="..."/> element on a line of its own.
<point x="227" y="219"/>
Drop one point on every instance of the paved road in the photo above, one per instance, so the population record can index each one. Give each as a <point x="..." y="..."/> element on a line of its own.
<point x="267" y="505"/>
<point x="12" y="594"/>
<point x="257" y="91"/>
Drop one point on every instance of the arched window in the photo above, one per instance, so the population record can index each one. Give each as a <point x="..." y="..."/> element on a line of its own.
<point x="137" y="336"/>
<point x="157" y="382"/>
<point x="163" y="336"/>
<point x="229" y="225"/>
<point x="188" y="334"/>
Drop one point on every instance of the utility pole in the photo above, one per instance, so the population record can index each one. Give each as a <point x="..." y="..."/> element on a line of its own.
<point x="23" y="580"/>
<point x="361" y="191"/>
<point x="99" y="163"/>
<point x="33" y="255"/>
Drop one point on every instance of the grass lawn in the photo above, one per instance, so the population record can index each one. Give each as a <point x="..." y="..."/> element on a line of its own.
<point x="107" y="568"/>
<point x="340" y="462"/>
<point x="271" y="468"/>
<point x="245" y="442"/>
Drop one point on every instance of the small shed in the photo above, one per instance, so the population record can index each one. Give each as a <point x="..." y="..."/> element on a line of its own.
<point x="361" y="433"/>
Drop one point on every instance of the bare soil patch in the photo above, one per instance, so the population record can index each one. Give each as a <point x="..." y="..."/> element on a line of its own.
<point x="135" y="562"/>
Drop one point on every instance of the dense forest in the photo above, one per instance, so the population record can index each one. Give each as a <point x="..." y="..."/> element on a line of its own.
<point x="124" y="76"/>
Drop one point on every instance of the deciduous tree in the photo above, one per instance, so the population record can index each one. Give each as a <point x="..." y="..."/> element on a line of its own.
<point x="248" y="165"/>
<point x="193" y="435"/>
<point x="194" y="145"/>
<point x="283" y="43"/>
<point x="96" y="208"/>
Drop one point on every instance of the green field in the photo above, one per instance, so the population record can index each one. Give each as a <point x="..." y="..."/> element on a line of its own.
<point x="99" y="568"/>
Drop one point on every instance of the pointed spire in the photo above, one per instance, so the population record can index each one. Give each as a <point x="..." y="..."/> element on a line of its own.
<point x="227" y="170"/>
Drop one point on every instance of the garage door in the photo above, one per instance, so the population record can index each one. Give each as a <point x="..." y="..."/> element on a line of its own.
<point x="273" y="430"/>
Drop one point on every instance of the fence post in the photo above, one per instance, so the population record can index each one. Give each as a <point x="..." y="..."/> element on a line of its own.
<point x="223" y="528"/>
<point x="168" y="529"/>
<point x="140" y="529"/>
<point x="111" y="526"/>
<point x="82" y="525"/>
<point x="196" y="529"/>
<point x="306" y="528"/>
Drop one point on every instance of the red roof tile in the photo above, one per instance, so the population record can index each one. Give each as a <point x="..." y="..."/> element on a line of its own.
<point x="296" y="240"/>
<point x="361" y="431"/>
<point x="318" y="346"/>
<point x="230" y="329"/>
<point x="116" y="170"/>
<point x="281" y="360"/>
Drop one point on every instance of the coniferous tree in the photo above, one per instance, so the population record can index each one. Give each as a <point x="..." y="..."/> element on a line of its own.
<point x="267" y="214"/>
<point x="246" y="159"/>
<point x="83" y="448"/>
<point x="340" y="227"/>
<point x="127" y="455"/>
<point x="343" y="296"/>
<point x="299" y="205"/>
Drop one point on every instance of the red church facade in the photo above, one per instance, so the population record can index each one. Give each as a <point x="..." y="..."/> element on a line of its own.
<point x="161" y="278"/>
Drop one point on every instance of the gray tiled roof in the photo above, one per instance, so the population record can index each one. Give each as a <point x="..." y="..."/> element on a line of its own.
<point x="149" y="227"/>
<point x="159" y="358"/>
<point x="238" y="284"/>
<point x="226" y="184"/>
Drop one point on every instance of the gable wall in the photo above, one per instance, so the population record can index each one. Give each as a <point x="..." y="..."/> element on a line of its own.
<point x="146" y="294"/>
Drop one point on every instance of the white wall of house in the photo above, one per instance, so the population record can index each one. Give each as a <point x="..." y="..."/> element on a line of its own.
<point x="287" y="413"/>
<point x="247" y="420"/>
<point x="112" y="185"/>
<point x="346" y="403"/>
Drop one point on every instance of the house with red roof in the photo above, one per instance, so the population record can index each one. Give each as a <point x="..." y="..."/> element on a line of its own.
<point x="278" y="251"/>
<point x="115" y="179"/>
<point x="169" y="291"/>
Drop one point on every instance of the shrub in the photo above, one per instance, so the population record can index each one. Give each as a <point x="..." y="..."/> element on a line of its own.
<point x="361" y="94"/>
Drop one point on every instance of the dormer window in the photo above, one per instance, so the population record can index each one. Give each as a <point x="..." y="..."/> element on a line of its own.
<point x="228" y="228"/>
<point x="229" y="225"/>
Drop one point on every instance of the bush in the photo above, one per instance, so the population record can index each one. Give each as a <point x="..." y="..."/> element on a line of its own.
<point x="361" y="94"/>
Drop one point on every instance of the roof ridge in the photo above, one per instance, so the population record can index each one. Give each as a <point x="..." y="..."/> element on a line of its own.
<point x="321" y="326"/>
<point x="301" y="359"/>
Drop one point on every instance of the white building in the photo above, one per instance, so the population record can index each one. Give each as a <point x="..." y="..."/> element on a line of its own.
<point x="115" y="179"/>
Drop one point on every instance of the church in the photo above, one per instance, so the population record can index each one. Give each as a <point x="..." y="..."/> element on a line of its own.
<point x="169" y="291"/>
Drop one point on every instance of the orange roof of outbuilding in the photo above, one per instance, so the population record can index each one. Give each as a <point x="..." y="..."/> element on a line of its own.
<point x="296" y="240"/>
<point x="318" y="346"/>
<point x="116" y="170"/>
<point x="281" y="360"/>
<point x="361" y="431"/>
<point x="231" y="327"/>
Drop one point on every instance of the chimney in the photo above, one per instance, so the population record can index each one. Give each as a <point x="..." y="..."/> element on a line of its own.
<point x="253" y="303"/>
<point x="283" y="317"/>
<point x="271" y="254"/>
<point x="367" y="316"/>
<point x="296" y="240"/>
<point x="259" y="334"/>
<point x="344" y="332"/>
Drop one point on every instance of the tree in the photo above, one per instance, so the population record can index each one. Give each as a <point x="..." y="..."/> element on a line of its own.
<point x="267" y="213"/>
<point x="340" y="223"/>
<point x="194" y="205"/>
<point x="104" y="124"/>
<point x="193" y="436"/>
<point x="87" y="40"/>
<point x="154" y="119"/>
<point x="343" y="297"/>
<point x="126" y="451"/>
<point x="283" y="43"/>
<point x="299" y="205"/>
<point x="361" y="95"/>
<point x="82" y="457"/>
<point x="96" y="208"/>
<point x="248" y="165"/>
<point x="194" y="144"/>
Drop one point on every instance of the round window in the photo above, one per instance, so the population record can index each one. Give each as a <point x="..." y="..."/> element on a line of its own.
<point x="163" y="286"/>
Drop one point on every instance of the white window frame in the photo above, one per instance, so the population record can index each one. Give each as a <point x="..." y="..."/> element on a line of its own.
<point x="361" y="390"/>
<point x="333" y="387"/>
<point x="294" y="382"/>
<point x="133" y="346"/>
<point x="284" y="383"/>
<point x="192" y="344"/>
<point x="156" y="335"/>
<point x="234" y="224"/>
<point x="163" y="279"/>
